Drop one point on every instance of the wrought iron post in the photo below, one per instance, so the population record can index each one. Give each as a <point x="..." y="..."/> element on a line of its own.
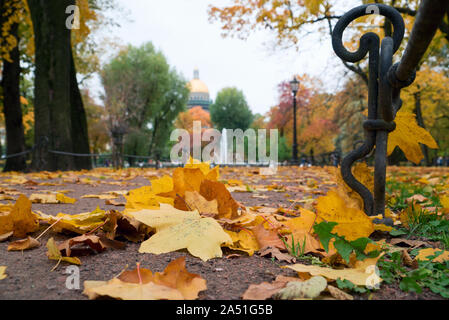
<point x="385" y="83"/>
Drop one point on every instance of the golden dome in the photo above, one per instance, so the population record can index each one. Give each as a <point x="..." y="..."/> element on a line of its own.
<point x="197" y="86"/>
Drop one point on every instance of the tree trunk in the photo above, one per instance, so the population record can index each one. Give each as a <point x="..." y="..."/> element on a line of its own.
<point x="12" y="109"/>
<point x="60" y="118"/>
<point x="80" y="133"/>
<point x="420" y="120"/>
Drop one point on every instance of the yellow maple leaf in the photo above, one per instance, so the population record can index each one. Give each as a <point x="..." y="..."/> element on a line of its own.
<point x="204" y="167"/>
<point x="352" y="223"/>
<point x="118" y="289"/>
<point x="425" y="253"/>
<point x="176" y="229"/>
<point x="244" y="241"/>
<point x="78" y="223"/>
<point x="362" y="173"/>
<point x="19" y="219"/>
<point x="408" y="135"/>
<point x="62" y="198"/>
<point x="149" y="197"/>
<point x="357" y="276"/>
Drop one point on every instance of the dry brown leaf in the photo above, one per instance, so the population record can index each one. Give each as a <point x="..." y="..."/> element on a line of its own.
<point x="175" y="282"/>
<point x="266" y="290"/>
<point x="411" y="243"/>
<point x="196" y="201"/>
<point x="24" y="244"/>
<point x="227" y="207"/>
<point x="267" y="238"/>
<point x="276" y="253"/>
<point x="339" y="294"/>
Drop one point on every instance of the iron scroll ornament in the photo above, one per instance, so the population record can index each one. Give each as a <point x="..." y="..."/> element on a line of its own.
<point x="383" y="99"/>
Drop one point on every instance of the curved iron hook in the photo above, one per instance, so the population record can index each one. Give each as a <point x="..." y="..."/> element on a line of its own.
<point x="379" y="119"/>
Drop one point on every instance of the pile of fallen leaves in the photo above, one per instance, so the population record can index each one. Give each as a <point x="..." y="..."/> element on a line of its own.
<point x="325" y="240"/>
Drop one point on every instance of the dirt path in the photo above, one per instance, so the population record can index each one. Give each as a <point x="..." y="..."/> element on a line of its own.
<point x="29" y="275"/>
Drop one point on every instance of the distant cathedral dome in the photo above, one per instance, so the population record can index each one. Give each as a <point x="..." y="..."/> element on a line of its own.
<point x="199" y="93"/>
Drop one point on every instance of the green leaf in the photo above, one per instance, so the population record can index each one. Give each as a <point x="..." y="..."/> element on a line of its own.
<point x="409" y="284"/>
<point x="348" y="285"/>
<point x="323" y="230"/>
<point x="396" y="233"/>
<point x="344" y="248"/>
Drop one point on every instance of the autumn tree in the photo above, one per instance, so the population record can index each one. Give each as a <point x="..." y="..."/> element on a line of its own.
<point x="185" y="119"/>
<point x="143" y="96"/>
<point x="230" y="110"/>
<point x="96" y="122"/>
<point x="11" y="15"/>
<point x="315" y="123"/>
<point x="290" y="21"/>
<point x="428" y="98"/>
<point x="59" y="112"/>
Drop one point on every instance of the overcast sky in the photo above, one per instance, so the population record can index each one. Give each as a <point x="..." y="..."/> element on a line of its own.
<point x="181" y="29"/>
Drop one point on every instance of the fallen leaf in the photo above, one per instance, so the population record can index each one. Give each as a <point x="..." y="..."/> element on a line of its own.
<point x="62" y="198"/>
<point x="406" y="259"/>
<point x="352" y="223"/>
<point x="417" y="198"/>
<point x="99" y="196"/>
<point x="356" y="276"/>
<point x="196" y="201"/>
<point x="176" y="229"/>
<point x="129" y="291"/>
<point x="24" y="244"/>
<point x="44" y="198"/>
<point x="227" y="206"/>
<point x="92" y="241"/>
<point x="362" y="173"/>
<point x="115" y="203"/>
<point x="6" y="236"/>
<point x="3" y="272"/>
<point x="424" y="255"/>
<point x="122" y="224"/>
<point x="78" y="223"/>
<point x="411" y="243"/>
<point x="276" y="253"/>
<point x="53" y="253"/>
<point x="339" y="294"/>
<point x="19" y="219"/>
<point x="176" y="276"/>
<point x="244" y="240"/>
<point x="179" y="284"/>
<point x="308" y="289"/>
<point x="267" y="238"/>
<point x="266" y="290"/>
<point x="148" y="197"/>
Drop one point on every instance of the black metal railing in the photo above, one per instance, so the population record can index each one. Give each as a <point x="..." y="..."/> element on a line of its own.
<point x="385" y="83"/>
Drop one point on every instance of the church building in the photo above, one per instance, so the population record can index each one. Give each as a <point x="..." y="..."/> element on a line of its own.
<point x="199" y="93"/>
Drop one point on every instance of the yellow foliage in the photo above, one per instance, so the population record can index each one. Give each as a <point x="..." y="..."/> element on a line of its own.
<point x="176" y="229"/>
<point x="408" y="135"/>
<point x="352" y="223"/>
<point x="20" y="219"/>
